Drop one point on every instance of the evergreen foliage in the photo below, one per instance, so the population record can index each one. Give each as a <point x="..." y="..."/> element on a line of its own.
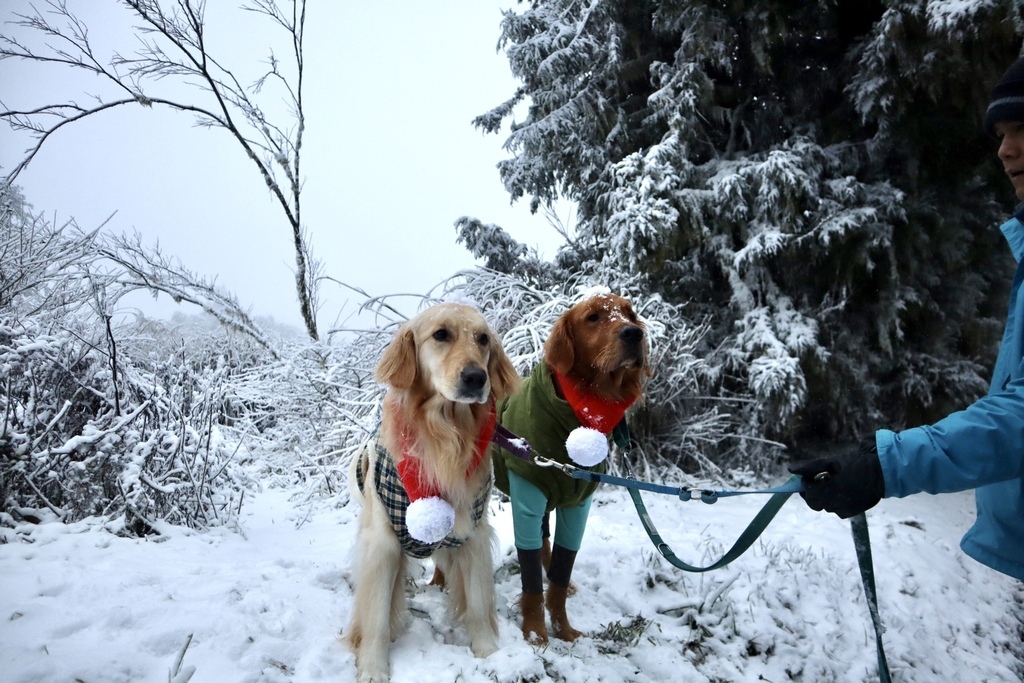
<point x="809" y="178"/>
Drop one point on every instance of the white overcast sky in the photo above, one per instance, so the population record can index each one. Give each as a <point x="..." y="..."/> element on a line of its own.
<point x="390" y="157"/>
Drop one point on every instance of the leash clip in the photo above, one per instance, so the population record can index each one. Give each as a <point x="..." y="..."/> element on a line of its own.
<point x="541" y="461"/>
<point x="703" y="495"/>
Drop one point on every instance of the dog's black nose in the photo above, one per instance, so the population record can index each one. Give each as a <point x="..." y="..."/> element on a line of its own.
<point x="473" y="379"/>
<point x="631" y="334"/>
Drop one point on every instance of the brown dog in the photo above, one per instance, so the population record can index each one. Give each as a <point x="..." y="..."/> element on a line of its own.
<point x="445" y="370"/>
<point x="600" y="344"/>
<point x="595" y="366"/>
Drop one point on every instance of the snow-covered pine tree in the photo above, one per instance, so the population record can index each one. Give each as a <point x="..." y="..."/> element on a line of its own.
<point x="811" y="177"/>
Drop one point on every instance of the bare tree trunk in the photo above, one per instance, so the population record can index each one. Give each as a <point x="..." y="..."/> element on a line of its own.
<point x="174" y="50"/>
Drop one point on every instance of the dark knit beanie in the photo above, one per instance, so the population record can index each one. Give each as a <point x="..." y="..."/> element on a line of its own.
<point x="1006" y="103"/>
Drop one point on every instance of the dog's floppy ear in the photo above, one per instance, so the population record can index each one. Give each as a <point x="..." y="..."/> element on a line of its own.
<point x="398" y="365"/>
<point x="504" y="378"/>
<point x="558" y="349"/>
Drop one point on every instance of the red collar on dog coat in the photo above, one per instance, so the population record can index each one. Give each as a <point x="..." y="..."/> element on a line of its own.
<point x="409" y="467"/>
<point x="592" y="411"/>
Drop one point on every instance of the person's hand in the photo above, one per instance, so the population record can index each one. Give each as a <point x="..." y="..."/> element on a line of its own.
<point x="846" y="485"/>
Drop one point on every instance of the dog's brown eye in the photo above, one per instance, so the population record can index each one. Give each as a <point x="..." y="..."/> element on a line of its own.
<point x="441" y="335"/>
<point x="594" y="317"/>
<point x="483" y="340"/>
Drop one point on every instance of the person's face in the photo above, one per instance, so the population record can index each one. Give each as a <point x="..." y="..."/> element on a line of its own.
<point x="1011" y="152"/>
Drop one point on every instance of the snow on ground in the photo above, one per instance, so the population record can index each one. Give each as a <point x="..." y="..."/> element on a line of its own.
<point x="266" y="602"/>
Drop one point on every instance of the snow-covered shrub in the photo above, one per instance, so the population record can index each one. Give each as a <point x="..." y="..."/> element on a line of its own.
<point x="323" y="403"/>
<point x="144" y="447"/>
<point x="94" y="419"/>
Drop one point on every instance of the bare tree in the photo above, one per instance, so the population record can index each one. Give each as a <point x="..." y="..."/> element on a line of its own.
<point x="174" y="51"/>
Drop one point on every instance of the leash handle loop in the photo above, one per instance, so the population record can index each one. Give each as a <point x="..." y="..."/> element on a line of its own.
<point x="746" y="539"/>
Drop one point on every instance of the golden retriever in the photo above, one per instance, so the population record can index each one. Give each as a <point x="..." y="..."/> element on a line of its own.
<point x="445" y="370"/>
<point x="595" y="366"/>
<point x="600" y="344"/>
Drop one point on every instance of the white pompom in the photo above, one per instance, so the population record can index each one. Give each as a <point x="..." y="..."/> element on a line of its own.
<point x="586" y="446"/>
<point x="429" y="520"/>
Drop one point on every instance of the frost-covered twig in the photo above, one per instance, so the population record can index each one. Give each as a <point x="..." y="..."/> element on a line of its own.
<point x="177" y="674"/>
<point x="147" y="268"/>
<point x="56" y="418"/>
<point x="61" y="514"/>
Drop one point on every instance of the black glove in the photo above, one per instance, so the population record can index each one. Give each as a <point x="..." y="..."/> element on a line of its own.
<point x="846" y="485"/>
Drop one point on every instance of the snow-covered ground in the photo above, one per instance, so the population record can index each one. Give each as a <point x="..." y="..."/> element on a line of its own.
<point x="267" y="602"/>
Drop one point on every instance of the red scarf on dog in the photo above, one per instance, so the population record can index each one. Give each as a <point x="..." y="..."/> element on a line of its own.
<point x="409" y="468"/>
<point x="592" y="411"/>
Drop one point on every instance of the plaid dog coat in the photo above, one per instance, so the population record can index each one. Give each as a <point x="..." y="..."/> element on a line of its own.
<point x="396" y="501"/>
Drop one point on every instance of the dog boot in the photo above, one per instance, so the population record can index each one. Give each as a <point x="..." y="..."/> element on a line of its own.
<point x="555" y="602"/>
<point x="531" y="602"/>
<point x="562" y="562"/>
<point x="535" y="628"/>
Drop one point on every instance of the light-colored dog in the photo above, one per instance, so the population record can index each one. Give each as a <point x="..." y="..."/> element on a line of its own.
<point x="445" y="370"/>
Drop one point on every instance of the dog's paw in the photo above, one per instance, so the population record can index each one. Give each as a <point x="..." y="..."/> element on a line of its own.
<point x="370" y="668"/>
<point x="538" y="637"/>
<point x="373" y="677"/>
<point x="484" y="648"/>
<point x="564" y="631"/>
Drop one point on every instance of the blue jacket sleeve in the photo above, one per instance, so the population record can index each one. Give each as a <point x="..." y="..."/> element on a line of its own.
<point x="981" y="445"/>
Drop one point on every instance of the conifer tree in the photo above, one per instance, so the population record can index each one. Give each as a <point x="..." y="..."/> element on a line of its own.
<point x="810" y="177"/>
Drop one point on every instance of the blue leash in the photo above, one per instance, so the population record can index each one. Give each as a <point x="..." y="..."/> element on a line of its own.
<point x="684" y="494"/>
<point x="779" y="495"/>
